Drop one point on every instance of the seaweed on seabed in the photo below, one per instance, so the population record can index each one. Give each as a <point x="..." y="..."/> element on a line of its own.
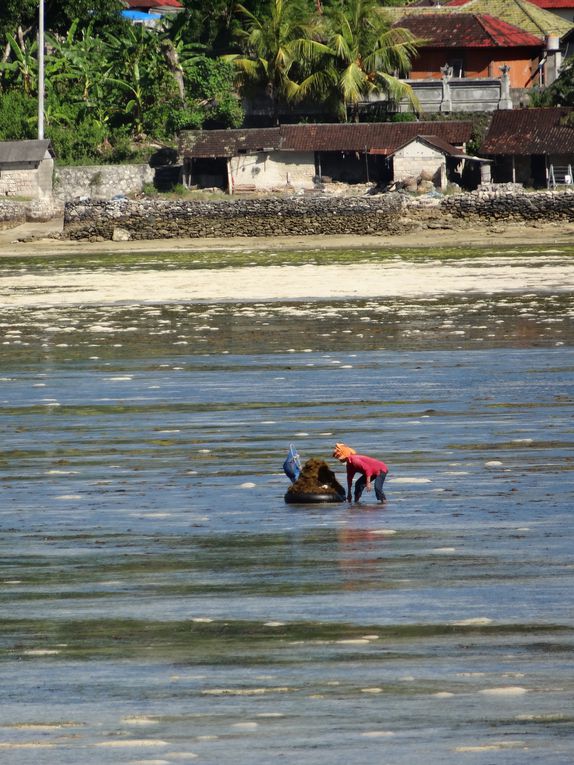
<point x="316" y="478"/>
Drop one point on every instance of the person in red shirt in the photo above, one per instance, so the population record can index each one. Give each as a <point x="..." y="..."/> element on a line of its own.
<point x="368" y="467"/>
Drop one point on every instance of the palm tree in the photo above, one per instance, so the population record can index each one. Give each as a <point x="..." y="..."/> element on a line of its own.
<point x="362" y="56"/>
<point x="272" y="46"/>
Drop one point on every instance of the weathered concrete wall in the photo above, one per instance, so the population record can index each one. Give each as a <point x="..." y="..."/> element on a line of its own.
<point x="151" y="219"/>
<point x="100" y="181"/>
<point x="464" y="95"/>
<point x="417" y="158"/>
<point x="31" y="182"/>
<point x="274" y="170"/>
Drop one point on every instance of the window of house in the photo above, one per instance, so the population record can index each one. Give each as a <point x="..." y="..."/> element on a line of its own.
<point x="457" y="65"/>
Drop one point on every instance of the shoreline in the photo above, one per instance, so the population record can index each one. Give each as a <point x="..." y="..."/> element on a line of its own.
<point x="34" y="240"/>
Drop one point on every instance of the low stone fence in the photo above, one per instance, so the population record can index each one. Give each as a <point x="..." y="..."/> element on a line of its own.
<point x="14" y="213"/>
<point x="161" y="219"/>
<point x="499" y="204"/>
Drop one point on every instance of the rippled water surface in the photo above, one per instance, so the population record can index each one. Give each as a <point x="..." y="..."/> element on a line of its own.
<point x="162" y="604"/>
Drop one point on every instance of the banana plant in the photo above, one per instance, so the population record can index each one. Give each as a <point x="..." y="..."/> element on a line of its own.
<point x="23" y="65"/>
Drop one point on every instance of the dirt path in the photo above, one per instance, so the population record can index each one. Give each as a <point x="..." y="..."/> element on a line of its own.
<point x="32" y="239"/>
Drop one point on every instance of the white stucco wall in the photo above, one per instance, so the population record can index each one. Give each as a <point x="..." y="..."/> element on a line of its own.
<point x="412" y="159"/>
<point x="275" y="170"/>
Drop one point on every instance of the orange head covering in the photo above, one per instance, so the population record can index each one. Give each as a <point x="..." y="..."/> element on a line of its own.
<point x="342" y="451"/>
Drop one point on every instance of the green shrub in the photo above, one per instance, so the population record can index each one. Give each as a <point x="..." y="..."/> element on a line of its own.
<point x="403" y="117"/>
<point x="18" y="116"/>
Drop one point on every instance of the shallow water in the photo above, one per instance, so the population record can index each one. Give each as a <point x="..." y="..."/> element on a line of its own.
<point x="162" y="604"/>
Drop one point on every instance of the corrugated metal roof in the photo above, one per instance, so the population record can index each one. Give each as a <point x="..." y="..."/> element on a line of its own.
<point x="379" y="137"/>
<point x="529" y="131"/>
<point x="467" y="31"/>
<point x="24" y="151"/>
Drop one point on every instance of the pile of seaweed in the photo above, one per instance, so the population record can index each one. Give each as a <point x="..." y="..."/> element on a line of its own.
<point x="316" y="478"/>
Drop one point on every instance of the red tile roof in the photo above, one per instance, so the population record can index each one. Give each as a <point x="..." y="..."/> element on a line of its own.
<point x="467" y="31"/>
<point x="529" y="131"/>
<point x="550" y="5"/>
<point x="151" y="4"/>
<point x="376" y="137"/>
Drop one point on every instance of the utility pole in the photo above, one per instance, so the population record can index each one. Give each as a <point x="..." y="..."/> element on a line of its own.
<point x="41" y="71"/>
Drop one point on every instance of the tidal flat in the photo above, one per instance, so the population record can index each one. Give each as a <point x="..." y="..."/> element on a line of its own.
<point x="162" y="604"/>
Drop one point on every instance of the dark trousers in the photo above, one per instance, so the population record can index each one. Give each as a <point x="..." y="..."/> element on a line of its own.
<point x="378" y="482"/>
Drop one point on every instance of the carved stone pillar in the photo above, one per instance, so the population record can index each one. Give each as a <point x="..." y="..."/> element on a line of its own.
<point x="505" y="99"/>
<point x="446" y="101"/>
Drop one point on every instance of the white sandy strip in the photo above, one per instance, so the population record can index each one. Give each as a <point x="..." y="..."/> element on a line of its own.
<point x="260" y="283"/>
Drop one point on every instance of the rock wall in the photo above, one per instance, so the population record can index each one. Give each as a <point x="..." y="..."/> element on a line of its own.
<point x="502" y="202"/>
<point x="15" y="213"/>
<point x="282" y="216"/>
<point x="271" y="216"/>
<point x="12" y="213"/>
<point x="100" y="181"/>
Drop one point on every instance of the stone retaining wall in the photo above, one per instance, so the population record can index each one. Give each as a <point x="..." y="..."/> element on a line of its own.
<point x="160" y="219"/>
<point x="12" y="214"/>
<point x="275" y="216"/>
<point x="500" y="204"/>
<point x="15" y="213"/>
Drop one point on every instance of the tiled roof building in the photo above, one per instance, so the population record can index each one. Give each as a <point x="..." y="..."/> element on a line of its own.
<point x="467" y="31"/>
<point x="530" y="132"/>
<point x="377" y="138"/>
<point x="532" y="146"/>
<point x="520" y="13"/>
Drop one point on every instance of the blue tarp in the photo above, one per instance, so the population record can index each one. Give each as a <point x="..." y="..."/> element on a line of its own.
<point x="141" y="16"/>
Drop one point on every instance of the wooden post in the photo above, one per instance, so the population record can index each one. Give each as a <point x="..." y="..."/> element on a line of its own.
<point x="229" y="177"/>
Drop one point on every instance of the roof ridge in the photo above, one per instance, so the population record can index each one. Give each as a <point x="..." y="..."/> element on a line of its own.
<point x="528" y="12"/>
<point x="479" y="17"/>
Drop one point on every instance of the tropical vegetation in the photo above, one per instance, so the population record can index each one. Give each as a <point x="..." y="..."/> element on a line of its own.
<point x="113" y="87"/>
<point x="561" y="91"/>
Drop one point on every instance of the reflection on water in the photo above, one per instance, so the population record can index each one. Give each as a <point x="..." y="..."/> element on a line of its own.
<point x="160" y="601"/>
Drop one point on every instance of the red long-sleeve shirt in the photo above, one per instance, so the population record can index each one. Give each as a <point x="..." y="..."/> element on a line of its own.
<point x="367" y="466"/>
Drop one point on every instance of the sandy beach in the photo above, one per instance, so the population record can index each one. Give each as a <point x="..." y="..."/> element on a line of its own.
<point x="34" y="239"/>
<point x="553" y="271"/>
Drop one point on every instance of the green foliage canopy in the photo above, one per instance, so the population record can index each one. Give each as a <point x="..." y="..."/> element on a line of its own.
<point x="110" y="85"/>
<point x="561" y="91"/>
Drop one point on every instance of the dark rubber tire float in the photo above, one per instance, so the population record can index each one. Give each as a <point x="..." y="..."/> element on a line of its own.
<point x="304" y="499"/>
